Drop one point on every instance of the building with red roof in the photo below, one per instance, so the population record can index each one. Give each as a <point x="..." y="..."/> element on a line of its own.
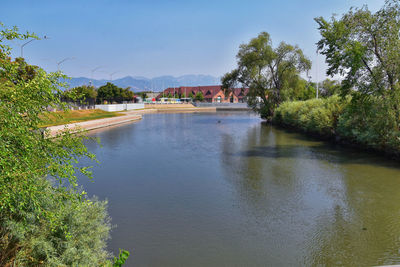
<point x="212" y="94"/>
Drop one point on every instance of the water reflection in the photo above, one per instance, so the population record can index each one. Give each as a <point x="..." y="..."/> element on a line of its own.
<point x="223" y="189"/>
<point x="340" y="208"/>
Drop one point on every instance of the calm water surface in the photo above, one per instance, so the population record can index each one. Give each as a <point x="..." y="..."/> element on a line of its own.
<point x="224" y="189"/>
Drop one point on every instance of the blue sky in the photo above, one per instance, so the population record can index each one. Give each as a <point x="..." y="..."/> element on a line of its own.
<point x="154" y="38"/>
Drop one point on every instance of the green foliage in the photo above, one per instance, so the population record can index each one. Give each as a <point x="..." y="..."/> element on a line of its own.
<point x="143" y="94"/>
<point x="318" y="116"/>
<point x="113" y="94"/>
<point x="297" y="88"/>
<point x="364" y="48"/>
<point x="329" y="88"/>
<point x="24" y="153"/>
<point x="268" y="72"/>
<point x="183" y="95"/>
<point x="169" y="95"/>
<point x="42" y="222"/>
<point x="191" y="95"/>
<point x="77" y="237"/>
<point x="84" y="94"/>
<point x="372" y="122"/>
<point x="122" y="257"/>
<point x="199" y="96"/>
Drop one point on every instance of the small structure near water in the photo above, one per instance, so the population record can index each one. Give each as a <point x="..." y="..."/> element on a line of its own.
<point x="120" y="107"/>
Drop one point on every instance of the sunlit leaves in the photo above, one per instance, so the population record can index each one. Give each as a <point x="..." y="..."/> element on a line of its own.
<point x="34" y="211"/>
<point x="364" y="48"/>
<point x="267" y="72"/>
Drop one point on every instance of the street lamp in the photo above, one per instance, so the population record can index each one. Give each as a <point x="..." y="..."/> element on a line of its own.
<point x="111" y="74"/>
<point x="316" y="67"/>
<point x="62" y="61"/>
<point x="92" y="71"/>
<point x="30" y="41"/>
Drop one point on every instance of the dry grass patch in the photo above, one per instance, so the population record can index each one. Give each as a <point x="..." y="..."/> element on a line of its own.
<point x="73" y="116"/>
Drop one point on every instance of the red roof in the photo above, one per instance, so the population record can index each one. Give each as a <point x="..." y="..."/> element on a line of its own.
<point x="240" y="92"/>
<point x="208" y="91"/>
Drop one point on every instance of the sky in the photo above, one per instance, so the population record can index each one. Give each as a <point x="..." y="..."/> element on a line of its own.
<point x="156" y="38"/>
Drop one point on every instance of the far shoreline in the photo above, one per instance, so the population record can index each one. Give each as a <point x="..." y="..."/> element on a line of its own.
<point x="128" y="116"/>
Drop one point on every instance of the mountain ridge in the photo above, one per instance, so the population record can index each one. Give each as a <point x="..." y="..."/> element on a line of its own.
<point x="157" y="84"/>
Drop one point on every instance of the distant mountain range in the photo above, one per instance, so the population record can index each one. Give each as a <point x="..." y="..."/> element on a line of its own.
<point x="156" y="84"/>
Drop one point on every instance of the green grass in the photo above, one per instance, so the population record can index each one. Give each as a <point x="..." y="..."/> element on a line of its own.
<point x="72" y="116"/>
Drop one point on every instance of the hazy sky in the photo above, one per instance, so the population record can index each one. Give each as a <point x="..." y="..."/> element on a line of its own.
<point x="153" y="38"/>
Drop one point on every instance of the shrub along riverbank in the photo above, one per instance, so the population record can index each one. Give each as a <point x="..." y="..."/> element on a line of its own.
<point x="368" y="124"/>
<point x="46" y="219"/>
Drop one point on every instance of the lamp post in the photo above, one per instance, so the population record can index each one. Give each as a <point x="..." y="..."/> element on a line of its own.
<point x="62" y="61"/>
<point x="111" y="74"/>
<point x="92" y="71"/>
<point x="316" y="67"/>
<point x="30" y="41"/>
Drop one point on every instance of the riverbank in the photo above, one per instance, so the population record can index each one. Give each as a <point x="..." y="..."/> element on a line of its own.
<point x="370" y="126"/>
<point x="75" y="116"/>
<point x="122" y="117"/>
<point x="225" y="106"/>
<point x="93" y="124"/>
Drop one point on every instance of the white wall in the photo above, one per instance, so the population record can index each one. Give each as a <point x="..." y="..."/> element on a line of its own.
<point x="120" y="107"/>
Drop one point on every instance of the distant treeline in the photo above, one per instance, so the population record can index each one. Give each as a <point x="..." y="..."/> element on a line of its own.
<point x="89" y="95"/>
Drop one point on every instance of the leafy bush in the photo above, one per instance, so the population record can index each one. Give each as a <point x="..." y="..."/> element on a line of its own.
<point x="76" y="236"/>
<point x="42" y="222"/>
<point x="373" y="122"/>
<point x="370" y="121"/>
<point x="318" y="116"/>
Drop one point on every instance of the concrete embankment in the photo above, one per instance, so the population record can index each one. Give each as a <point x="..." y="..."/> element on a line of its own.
<point x="194" y="109"/>
<point x="225" y="106"/>
<point x="93" y="124"/>
<point x="129" y="116"/>
<point x="187" y="107"/>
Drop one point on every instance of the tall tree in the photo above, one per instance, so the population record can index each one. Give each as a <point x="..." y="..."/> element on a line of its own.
<point x="266" y="71"/>
<point x="84" y="94"/>
<point x="364" y="48"/>
<point x="127" y="94"/>
<point x="113" y="93"/>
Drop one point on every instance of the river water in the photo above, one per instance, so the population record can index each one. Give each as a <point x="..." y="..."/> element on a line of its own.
<point x="224" y="189"/>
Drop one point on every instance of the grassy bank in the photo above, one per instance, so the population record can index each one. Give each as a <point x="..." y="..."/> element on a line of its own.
<point x="370" y="124"/>
<point x="72" y="116"/>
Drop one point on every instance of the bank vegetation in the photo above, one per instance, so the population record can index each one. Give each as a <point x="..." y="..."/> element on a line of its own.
<point x="371" y="125"/>
<point x="46" y="219"/>
<point x="362" y="107"/>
